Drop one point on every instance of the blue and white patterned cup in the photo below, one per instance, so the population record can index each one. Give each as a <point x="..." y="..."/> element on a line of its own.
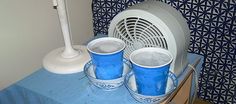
<point x="107" y="57"/>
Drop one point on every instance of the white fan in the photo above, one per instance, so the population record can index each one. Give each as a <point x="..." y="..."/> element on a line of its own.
<point x="69" y="59"/>
<point x="153" y="24"/>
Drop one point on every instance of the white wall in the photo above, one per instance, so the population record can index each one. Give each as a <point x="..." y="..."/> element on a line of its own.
<point x="29" y="29"/>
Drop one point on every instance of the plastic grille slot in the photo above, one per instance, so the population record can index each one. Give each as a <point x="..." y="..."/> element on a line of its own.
<point x="138" y="33"/>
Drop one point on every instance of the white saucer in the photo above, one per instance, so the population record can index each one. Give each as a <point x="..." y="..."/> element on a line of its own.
<point x="106" y="85"/>
<point x="131" y="86"/>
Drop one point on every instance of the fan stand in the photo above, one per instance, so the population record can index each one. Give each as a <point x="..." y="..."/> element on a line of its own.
<point x="68" y="59"/>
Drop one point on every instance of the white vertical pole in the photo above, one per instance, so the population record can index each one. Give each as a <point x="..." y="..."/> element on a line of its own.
<point x="69" y="52"/>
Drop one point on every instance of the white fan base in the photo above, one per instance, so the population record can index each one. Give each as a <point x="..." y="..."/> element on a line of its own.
<point x="55" y="63"/>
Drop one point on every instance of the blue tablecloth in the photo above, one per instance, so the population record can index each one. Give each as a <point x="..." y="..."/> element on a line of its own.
<point x="43" y="87"/>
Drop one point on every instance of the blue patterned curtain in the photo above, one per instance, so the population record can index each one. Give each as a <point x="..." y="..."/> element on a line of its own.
<point x="212" y="25"/>
<point x="105" y="10"/>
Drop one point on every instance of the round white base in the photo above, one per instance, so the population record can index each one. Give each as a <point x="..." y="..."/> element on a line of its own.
<point x="55" y="63"/>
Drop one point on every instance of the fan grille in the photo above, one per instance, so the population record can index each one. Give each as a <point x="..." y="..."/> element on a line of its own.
<point x="138" y="33"/>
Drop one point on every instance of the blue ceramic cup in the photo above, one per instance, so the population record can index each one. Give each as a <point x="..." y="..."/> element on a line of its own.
<point x="151" y="67"/>
<point x="107" y="57"/>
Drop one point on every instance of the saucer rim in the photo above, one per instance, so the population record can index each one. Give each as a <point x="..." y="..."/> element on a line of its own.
<point x="174" y="80"/>
<point x="89" y="64"/>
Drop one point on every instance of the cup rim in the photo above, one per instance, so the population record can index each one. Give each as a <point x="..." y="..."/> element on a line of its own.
<point x="157" y="49"/>
<point x="102" y="39"/>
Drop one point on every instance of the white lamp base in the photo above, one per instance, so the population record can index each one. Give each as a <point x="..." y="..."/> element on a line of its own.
<point x="55" y="63"/>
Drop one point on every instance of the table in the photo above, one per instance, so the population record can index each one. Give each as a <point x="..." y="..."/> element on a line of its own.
<point x="43" y="87"/>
